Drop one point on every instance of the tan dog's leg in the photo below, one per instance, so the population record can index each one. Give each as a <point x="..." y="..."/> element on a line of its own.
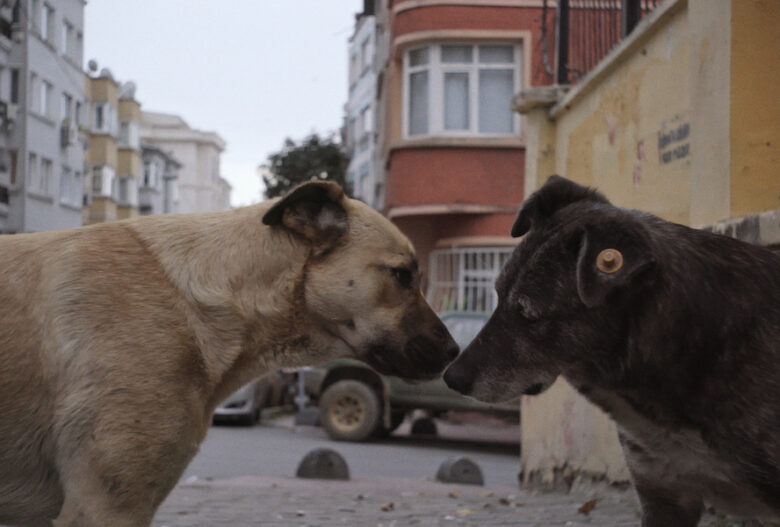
<point x="90" y="502"/>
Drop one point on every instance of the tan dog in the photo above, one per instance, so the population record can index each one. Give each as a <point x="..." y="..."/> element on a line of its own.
<point x="117" y="341"/>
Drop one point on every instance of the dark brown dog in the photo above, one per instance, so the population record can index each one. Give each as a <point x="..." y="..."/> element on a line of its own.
<point x="673" y="331"/>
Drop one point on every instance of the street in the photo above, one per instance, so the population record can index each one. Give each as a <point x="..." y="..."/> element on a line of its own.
<point x="245" y="476"/>
<point x="231" y="451"/>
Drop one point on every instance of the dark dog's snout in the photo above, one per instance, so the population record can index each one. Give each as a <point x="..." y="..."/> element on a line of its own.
<point x="459" y="379"/>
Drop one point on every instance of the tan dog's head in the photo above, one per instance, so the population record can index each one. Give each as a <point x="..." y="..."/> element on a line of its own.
<point x="362" y="283"/>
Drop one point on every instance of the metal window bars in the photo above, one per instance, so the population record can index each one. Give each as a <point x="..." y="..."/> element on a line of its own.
<point x="462" y="279"/>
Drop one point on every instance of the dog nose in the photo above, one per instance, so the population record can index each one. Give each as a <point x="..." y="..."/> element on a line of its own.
<point x="458" y="379"/>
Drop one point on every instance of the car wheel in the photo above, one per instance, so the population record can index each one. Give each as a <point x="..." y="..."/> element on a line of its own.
<point x="349" y="411"/>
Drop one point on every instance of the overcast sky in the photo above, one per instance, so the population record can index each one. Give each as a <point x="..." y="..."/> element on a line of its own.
<point x="254" y="71"/>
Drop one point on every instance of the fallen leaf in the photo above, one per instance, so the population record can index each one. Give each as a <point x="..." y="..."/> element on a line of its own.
<point x="388" y="506"/>
<point x="504" y="501"/>
<point x="485" y="494"/>
<point x="454" y="494"/>
<point x="588" y="506"/>
<point x="465" y="512"/>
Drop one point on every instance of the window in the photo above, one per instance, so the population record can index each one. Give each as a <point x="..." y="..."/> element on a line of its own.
<point x="67" y="39"/>
<point x="67" y="101"/>
<point x="47" y="22"/>
<point x="44" y="98"/>
<point x="150" y="174"/>
<point x="32" y="172"/>
<point x="44" y="181"/>
<point x="461" y="279"/>
<point x="70" y="187"/>
<point x="128" y="191"/>
<point x="461" y="89"/>
<point x="103" y="181"/>
<point x="104" y="118"/>
<point x="77" y="112"/>
<point x="128" y="135"/>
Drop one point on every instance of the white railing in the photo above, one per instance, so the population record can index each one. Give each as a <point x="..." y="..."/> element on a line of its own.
<point x="462" y="279"/>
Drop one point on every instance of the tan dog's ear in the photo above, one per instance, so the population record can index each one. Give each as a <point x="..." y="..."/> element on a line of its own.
<point x="314" y="210"/>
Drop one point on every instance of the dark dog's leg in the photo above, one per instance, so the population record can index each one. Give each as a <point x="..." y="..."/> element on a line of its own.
<point x="662" y="505"/>
<point x="661" y="511"/>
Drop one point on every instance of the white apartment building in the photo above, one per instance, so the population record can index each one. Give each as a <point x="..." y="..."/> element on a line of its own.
<point x="361" y="112"/>
<point x="200" y="186"/>
<point x="42" y="109"/>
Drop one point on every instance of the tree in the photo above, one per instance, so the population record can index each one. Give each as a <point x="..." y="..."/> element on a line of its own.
<point x="314" y="158"/>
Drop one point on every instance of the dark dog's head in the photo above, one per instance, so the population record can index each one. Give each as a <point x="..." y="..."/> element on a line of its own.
<point x="362" y="284"/>
<point x="561" y="295"/>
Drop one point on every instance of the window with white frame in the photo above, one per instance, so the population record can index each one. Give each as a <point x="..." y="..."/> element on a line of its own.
<point x="462" y="278"/>
<point x="32" y="172"/>
<point x="67" y="39"/>
<point x="104" y="118"/>
<point x="128" y="191"/>
<point x="461" y="89"/>
<point x="66" y="106"/>
<point x="70" y="191"/>
<point x="151" y="175"/>
<point x="44" y="98"/>
<point x="103" y="177"/>
<point x="47" y="22"/>
<point x="129" y="135"/>
<point x="44" y="180"/>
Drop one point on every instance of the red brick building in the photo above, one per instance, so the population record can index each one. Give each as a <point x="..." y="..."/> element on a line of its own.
<point x="449" y="144"/>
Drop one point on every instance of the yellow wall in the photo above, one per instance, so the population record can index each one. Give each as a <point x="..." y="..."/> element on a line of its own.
<point x="103" y="89"/>
<point x="622" y="136"/>
<point x="129" y="163"/>
<point x="102" y="150"/>
<point x="102" y="209"/>
<point x="129" y="110"/>
<point x="755" y="106"/>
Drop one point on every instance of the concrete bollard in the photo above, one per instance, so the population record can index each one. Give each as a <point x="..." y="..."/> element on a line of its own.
<point x="460" y="470"/>
<point x="323" y="463"/>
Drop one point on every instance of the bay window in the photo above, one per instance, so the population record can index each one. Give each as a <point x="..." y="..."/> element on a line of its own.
<point x="461" y="89"/>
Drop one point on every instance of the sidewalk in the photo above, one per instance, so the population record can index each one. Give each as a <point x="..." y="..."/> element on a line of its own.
<point x="388" y="502"/>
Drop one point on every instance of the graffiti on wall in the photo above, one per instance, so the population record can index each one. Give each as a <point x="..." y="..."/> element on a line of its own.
<point x="674" y="140"/>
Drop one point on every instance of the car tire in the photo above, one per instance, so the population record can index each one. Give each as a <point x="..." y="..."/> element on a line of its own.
<point x="350" y="411"/>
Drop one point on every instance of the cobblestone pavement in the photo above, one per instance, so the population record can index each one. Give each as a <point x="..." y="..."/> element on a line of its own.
<point x="278" y="502"/>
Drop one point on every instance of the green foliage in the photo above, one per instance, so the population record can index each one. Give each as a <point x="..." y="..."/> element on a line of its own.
<point x="314" y="158"/>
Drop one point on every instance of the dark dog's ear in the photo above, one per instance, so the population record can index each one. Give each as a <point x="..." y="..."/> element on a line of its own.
<point x="556" y="193"/>
<point x="314" y="210"/>
<point x="610" y="256"/>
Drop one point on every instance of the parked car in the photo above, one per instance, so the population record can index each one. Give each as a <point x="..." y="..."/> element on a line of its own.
<point x="246" y="405"/>
<point x="355" y="402"/>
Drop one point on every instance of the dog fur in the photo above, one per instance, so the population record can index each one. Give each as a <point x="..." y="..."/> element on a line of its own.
<point x="681" y="345"/>
<point x="118" y="340"/>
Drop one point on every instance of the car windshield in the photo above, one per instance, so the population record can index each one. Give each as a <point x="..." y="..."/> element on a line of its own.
<point x="464" y="328"/>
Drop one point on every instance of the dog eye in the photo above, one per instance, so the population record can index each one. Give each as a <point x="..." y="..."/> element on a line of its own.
<point x="403" y="276"/>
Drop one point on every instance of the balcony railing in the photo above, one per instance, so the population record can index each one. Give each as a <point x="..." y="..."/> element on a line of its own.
<point x="588" y="29"/>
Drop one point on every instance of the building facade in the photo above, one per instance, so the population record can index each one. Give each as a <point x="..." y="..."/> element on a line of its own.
<point x="159" y="189"/>
<point x="451" y="148"/>
<point x="114" y="153"/>
<point x="364" y="173"/>
<point x="43" y="107"/>
<point x="200" y="186"/>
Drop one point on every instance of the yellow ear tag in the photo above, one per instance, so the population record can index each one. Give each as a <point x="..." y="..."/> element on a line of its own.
<point x="609" y="261"/>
